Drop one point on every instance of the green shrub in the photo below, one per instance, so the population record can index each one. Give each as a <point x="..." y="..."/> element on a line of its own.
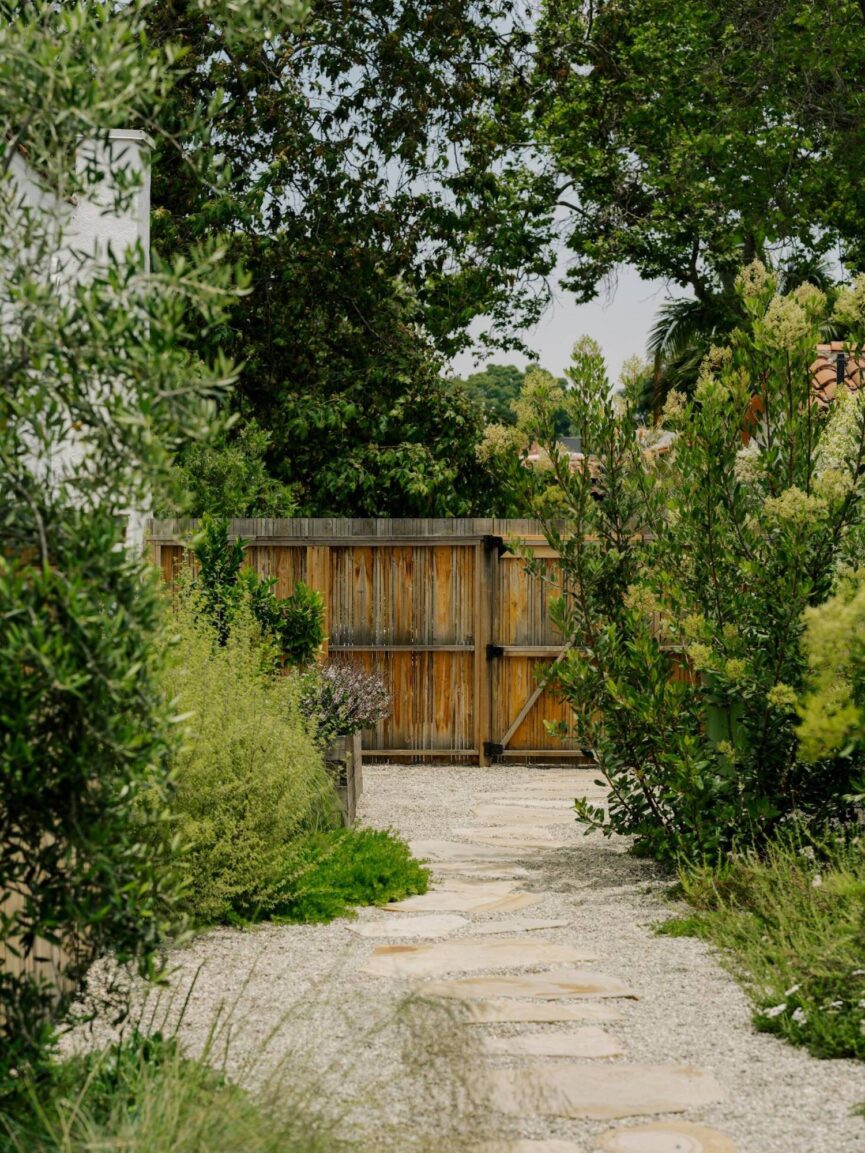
<point x="330" y="873"/>
<point x="792" y="930"/>
<point x="249" y="779"/>
<point x="84" y="736"/>
<point x="295" y="623"/>
<point x="687" y="574"/>
<point x="143" y="1096"/>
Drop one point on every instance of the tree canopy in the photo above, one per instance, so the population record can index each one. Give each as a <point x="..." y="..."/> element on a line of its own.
<point x="370" y="188"/>
<point x="691" y="137"/>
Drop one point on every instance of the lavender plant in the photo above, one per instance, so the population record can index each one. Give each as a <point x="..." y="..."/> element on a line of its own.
<point x="341" y="700"/>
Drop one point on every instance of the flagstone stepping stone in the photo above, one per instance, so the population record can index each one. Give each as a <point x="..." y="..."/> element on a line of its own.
<point x="524" y="815"/>
<point x="538" y="802"/>
<point x="516" y="836"/>
<point x="527" y="1146"/>
<point x="590" y="1041"/>
<point x="435" y="925"/>
<point x="599" y="1091"/>
<point x="537" y="1012"/>
<point x="476" y="886"/>
<point x="458" y="851"/>
<point x="666" y="1137"/>
<point x="518" y="925"/>
<point x="468" y="954"/>
<point x="557" y="984"/>
<point x="464" y="901"/>
<point x="488" y="870"/>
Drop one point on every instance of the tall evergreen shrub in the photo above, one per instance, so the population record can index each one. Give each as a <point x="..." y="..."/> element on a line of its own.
<point x="690" y="556"/>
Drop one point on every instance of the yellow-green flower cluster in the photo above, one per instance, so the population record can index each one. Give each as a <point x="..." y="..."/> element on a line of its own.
<point x="786" y="324"/>
<point x="782" y="697"/>
<point x="747" y="466"/>
<point x="841" y="432"/>
<point x="640" y="599"/>
<point x="796" y="507"/>
<point x="754" y="281"/>
<point x="675" y="407"/>
<point x="735" y="670"/>
<point x="701" y="656"/>
<point x="850" y="305"/>
<point x="694" y="625"/>
<point x="811" y="299"/>
<point x="833" y="485"/>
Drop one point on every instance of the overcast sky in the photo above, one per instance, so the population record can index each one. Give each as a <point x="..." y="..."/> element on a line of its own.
<point x="620" y="325"/>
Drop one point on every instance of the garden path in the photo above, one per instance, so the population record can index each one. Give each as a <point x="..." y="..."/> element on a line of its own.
<point x="557" y="1021"/>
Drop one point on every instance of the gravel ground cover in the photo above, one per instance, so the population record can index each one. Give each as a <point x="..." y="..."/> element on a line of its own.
<point x="403" y="1072"/>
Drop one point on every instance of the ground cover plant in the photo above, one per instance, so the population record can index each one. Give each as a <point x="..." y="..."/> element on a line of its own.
<point x="791" y="927"/>
<point x="329" y="874"/>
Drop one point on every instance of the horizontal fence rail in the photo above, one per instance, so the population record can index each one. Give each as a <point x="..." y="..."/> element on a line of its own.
<point x="441" y="609"/>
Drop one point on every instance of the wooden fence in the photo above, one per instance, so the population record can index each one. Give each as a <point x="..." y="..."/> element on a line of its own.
<point x="440" y="609"/>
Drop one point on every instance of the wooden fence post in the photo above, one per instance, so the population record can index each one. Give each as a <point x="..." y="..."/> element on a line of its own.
<point x="318" y="578"/>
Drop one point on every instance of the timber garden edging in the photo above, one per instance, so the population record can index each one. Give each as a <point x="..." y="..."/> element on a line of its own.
<point x="439" y="608"/>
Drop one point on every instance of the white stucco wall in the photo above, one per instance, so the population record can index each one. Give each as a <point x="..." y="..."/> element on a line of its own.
<point x="89" y="228"/>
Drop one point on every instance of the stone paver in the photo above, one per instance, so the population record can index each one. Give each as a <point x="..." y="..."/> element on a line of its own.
<point x="523" y="815"/>
<point x="435" y="925"/>
<point x="521" y="1146"/>
<point x="519" y="925"/>
<point x="469" y="954"/>
<point x="560" y="983"/>
<point x="482" y="870"/>
<point x="462" y="901"/>
<point x="515" y="836"/>
<point x="666" y="1137"/>
<point x="434" y="850"/>
<point x="589" y="1041"/>
<point x="509" y="1011"/>
<point x="599" y="1091"/>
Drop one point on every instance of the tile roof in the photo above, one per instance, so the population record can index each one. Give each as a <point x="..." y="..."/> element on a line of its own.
<point x="824" y="371"/>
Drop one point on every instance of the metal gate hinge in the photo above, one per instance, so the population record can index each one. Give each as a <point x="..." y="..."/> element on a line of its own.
<point x="494" y="651"/>
<point x="495" y="542"/>
<point x="492" y="749"/>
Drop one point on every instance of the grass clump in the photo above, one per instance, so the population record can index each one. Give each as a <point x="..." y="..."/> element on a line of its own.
<point x="332" y="872"/>
<point x="143" y="1096"/>
<point x="791" y="925"/>
<point x="249" y="781"/>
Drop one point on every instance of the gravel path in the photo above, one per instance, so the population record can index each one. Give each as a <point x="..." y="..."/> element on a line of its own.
<point x="405" y="1072"/>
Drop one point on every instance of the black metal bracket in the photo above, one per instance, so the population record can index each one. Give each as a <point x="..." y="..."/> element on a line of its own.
<point x="495" y="542"/>
<point x="494" y="651"/>
<point x="492" y="749"/>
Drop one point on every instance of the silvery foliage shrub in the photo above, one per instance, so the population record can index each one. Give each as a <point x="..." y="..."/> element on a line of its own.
<point x="688" y="573"/>
<point x="96" y="391"/>
<point x="341" y="700"/>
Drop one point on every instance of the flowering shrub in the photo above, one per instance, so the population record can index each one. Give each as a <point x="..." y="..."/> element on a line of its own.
<point x="342" y="700"/>
<point x="688" y="579"/>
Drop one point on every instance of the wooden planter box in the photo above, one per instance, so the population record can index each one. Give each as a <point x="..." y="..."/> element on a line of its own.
<point x="344" y="762"/>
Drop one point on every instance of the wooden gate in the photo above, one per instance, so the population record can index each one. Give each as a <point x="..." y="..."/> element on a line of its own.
<point x="442" y="610"/>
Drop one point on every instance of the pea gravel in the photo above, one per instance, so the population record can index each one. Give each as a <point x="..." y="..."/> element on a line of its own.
<point x="396" y="1072"/>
